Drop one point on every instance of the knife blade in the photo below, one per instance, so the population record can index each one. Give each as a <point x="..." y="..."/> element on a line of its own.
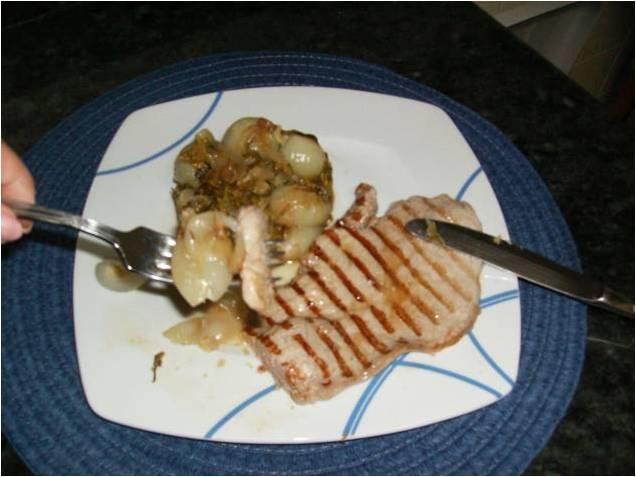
<point x="527" y="265"/>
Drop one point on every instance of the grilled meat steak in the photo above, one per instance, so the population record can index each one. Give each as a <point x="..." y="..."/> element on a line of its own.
<point x="367" y="292"/>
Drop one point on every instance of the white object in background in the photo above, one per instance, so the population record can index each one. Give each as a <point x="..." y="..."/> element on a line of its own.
<point x="513" y="13"/>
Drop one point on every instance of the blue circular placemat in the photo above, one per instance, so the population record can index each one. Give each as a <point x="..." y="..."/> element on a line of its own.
<point x="44" y="412"/>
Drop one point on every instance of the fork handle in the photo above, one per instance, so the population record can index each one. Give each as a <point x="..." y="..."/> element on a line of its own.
<point x="58" y="217"/>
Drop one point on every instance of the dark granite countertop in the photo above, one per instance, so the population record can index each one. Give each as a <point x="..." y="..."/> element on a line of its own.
<point x="58" y="56"/>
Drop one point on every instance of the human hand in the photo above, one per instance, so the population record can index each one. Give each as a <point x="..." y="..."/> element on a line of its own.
<point x="17" y="183"/>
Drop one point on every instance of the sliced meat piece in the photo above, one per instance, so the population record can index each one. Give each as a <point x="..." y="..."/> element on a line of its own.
<point x="367" y="291"/>
<point x="363" y="209"/>
<point x="256" y="284"/>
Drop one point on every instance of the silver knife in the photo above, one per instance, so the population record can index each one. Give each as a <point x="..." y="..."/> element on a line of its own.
<point x="527" y="265"/>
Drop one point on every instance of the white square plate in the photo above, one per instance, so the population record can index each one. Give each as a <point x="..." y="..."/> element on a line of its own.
<point x="403" y="148"/>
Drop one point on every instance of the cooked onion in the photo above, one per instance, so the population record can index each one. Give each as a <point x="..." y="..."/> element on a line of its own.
<point x="111" y="274"/>
<point x="285" y="273"/>
<point x="294" y="206"/>
<point x="217" y="326"/>
<point x="298" y="240"/>
<point x="183" y="198"/>
<point x="305" y="156"/>
<point x="185" y="173"/>
<point x="202" y="259"/>
<point x="238" y="136"/>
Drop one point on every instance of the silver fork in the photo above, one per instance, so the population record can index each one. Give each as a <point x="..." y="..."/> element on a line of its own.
<point x="141" y="250"/>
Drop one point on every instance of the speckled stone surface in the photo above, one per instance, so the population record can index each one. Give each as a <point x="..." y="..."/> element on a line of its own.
<point x="58" y="56"/>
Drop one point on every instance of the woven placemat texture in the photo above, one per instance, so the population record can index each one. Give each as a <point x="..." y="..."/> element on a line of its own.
<point x="45" y="414"/>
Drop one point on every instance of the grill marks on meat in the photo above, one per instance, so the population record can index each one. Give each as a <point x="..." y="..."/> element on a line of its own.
<point x="398" y="287"/>
<point x="368" y="291"/>
<point x="357" y="294"/>
<point x="324" y="368"/>
<point x="441" y="214"/>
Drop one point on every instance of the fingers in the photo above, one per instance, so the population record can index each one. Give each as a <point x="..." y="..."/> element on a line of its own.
<point x="11" y="227"/>
<point x="17" y="183"/>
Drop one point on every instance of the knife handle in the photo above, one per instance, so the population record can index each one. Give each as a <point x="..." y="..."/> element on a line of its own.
<point x="615" y="302"/>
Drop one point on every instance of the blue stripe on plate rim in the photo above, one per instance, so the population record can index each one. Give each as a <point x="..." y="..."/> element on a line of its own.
<point x="181" y="140"/>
